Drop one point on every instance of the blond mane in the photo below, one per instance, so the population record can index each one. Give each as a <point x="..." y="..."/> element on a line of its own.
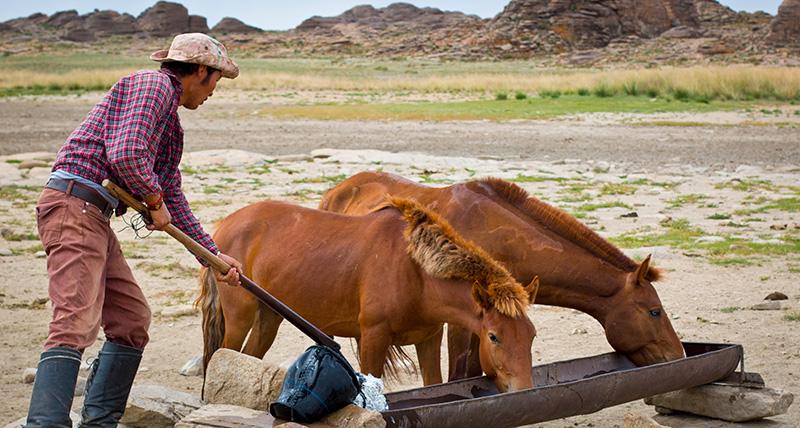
<point x="564" y="225"/>
<point x="443" y="253"/>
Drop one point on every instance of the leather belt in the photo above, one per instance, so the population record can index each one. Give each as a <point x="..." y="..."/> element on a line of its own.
<point x="81" y="191"/>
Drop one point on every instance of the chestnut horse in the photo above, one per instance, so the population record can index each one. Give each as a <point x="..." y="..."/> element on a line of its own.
<point x="389" y="278"/>
<point x="578" y="268"/>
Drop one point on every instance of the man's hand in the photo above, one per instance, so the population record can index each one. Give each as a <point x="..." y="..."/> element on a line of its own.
<point x="160" y="217"/>
<point x="232" y="277"/>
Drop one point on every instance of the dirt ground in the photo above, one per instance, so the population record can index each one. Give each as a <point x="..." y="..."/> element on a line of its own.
<point x="701" y="174"/>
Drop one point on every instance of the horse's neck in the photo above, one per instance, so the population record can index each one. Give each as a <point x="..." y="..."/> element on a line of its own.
<point x="450" y="301"/>
<point x="570" y="276"/>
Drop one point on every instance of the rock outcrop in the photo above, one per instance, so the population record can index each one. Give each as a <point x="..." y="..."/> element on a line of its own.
<point x="785" y="28"/>
<point x="230" y="25"/>
<point x="167" y="19"/>
<point x="589" y="23"/>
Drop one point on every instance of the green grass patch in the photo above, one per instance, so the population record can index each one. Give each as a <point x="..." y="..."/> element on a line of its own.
<point x="333" y="179"/>
<point x="719" y="216"/>
<point x="692" y="198"/>
<point x="522" y="178"/>
<point x="15" y="192"/>
<point x="792" y="316"/>
<point x="748" y="185"/>
<point x="496" y="110"/>
<point x="651" y="183"/>
<point x="168" y="270"/>
<point x="617" y="189"/>
<point x="595" y="207"/>
<point x="791" y="205"/>
<point x="729" y="309"/>
<point x="305" y="195"/>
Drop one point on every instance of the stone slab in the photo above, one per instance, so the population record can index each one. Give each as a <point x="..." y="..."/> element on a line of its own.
<point x="729" y="403"/>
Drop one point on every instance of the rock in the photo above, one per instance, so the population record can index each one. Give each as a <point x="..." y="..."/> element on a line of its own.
<point x="225" y="415"/>
<point x="632" y="214"/>
<point x="156" y="406"/>
<point x="178" y="311"/>
<point x="164" y="19"/>
<point x="776" y="295"/>
<point x="785" y="27"/>
<point x="230" y="25"/>
<point x="193" y="367"/>
<point x="197" y="24"/>
<point x="729" y="403"/>
<point x="354" y="416"/>
<point x="709" y="239"/>
<point x="640" y="421"/>
<point x="60" y="19"/>
<point x="28" y="164"/>
<point x="579" y="330"/>
<point x="767" y="306"/>
<point x="242" y="380"/>
<point x="109" y="22"/>
<point x="5" y="252"/>
<point x="40" y="254"/>
<point x="717" y="47"/>
<point x="683" y="32"/>
<point x="29" y="375"/>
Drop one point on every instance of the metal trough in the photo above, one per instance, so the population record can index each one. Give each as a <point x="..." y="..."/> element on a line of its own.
<point x="562" y="389"/>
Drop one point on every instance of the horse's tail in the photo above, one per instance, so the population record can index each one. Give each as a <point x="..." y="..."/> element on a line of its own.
<point x="397" y="361"/>
<point x="213" y="318"/>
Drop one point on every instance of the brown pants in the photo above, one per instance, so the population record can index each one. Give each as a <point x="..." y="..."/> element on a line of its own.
<point x="90" y="282"/>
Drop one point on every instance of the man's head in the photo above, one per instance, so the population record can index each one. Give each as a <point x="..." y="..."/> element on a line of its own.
<point x="199" y="61"/>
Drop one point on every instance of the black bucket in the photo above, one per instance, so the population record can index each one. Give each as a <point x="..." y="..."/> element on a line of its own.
<point x="320" y="382"/>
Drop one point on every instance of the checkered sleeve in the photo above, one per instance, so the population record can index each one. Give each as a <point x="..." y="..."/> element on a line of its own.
<point x="182" y="216"/>
<point x="136" y="108"/>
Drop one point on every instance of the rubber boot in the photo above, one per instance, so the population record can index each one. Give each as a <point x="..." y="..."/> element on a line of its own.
<point x="109" y="384"/>
<point x="54" y="388"/>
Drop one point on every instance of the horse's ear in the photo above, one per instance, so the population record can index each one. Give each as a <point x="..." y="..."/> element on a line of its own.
<point x="532" y="289"/>
<point x="481" y="296"/>
<point x="642" y="271"/>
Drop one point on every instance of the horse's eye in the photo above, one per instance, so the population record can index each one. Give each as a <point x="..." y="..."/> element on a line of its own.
<point x="494" y="338"/>
<point x="655" y="313"/>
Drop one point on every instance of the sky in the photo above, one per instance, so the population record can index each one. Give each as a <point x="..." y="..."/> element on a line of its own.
<point x="277" y="15"/>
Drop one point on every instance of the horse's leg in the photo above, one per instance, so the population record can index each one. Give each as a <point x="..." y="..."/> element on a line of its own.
<point x="265" y="328"/>
<point x="238" y="321"/>
<point x="463" y="354"/>
<point x="373" y="350"/>
<point x="429" y="355"/>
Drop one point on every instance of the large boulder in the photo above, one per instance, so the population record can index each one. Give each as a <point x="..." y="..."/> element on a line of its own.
<point x="242" y="380"/>
<point x="107" y="22"/>
<point x="164" y="19"/>
<point x="729" y="403"/>
<point x="230" y="25"/>
<point x="198" y="24"/>
<point x="60" y="19"/>
<point x="785" y="27"/>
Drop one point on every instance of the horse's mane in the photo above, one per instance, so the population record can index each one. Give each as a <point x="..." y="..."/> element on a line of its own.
<point x="564" y="225"/>
<point x="443" y="253"/>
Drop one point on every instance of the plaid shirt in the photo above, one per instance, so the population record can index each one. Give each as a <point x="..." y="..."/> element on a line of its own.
<point x="134" y="138"/>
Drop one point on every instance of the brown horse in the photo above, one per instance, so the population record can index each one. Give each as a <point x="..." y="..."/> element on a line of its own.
<point x="389" y="278"/>
<point x="578" y="268"/>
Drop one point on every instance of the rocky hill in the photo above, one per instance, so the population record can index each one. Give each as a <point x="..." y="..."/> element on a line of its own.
<point x="576" y="32"/>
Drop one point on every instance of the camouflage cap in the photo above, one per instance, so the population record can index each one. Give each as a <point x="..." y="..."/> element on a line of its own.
<point x="199" y="48"/>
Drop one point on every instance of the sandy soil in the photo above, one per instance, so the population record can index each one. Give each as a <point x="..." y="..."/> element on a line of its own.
<point x="707" y="161"/>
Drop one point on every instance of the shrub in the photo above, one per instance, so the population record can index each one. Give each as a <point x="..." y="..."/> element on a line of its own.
<point x="501" y="96"/>
<point x="520" y="95"/>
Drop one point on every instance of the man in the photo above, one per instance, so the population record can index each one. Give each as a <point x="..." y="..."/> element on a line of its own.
<point x="133" y="137"/>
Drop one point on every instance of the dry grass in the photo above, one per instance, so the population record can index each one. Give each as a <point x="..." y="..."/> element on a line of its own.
<point x="73" y="73"/>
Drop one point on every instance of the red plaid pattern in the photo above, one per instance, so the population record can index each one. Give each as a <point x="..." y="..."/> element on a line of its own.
<point x="134" y="138"/>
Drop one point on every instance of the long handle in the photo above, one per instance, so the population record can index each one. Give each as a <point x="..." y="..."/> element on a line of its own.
<point x="220" y="265"/>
